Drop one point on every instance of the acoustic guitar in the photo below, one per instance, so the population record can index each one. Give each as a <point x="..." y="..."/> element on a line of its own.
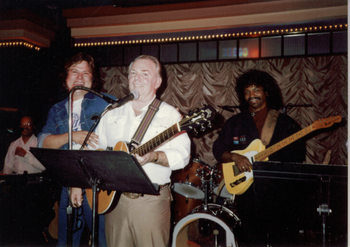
<point x="198" y="119"/>
<point x="238" y="182"/>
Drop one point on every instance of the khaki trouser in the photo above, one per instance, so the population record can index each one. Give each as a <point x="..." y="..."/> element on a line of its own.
<point x="141" y="222"/>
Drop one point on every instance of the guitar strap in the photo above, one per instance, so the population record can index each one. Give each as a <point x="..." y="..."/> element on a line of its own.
<point x="269" y="126"/>
<point x="147" y="119"/>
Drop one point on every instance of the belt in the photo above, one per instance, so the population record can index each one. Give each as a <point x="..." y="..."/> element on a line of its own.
<point x="137" y="195"/>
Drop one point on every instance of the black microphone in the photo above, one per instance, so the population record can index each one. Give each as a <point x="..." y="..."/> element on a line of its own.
<point x="107" y="99"/>
<point x="228" y="108"/>
<point x="116" y="103"/>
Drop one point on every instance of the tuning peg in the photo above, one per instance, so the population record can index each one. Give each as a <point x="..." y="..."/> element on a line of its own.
<point x="195" y="132"/>
<point x="202" y="128"/>
<point x="209" y="124"/>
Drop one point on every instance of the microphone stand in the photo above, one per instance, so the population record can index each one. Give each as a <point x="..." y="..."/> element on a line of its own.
<point x="284" y="109"/>
<point x="228" y="107"/>
<point x="69" y="209"/>
<point x="70" y="104"/>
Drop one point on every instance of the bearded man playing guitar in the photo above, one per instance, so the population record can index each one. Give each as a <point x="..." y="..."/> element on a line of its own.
<point x="259" y="95"/>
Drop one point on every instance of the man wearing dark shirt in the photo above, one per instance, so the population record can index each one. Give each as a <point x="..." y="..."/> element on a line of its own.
<point x="258" y="93"/>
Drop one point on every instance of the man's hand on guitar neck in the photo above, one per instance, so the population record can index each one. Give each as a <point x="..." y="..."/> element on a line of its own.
<point x="157" y="157"/>
<point x="241" y="161"/>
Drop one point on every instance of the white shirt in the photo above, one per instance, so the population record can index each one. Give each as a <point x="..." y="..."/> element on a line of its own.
<point x="17" y="164"/>
<point x="121" y="124"/>
<point x="76" y="120"/>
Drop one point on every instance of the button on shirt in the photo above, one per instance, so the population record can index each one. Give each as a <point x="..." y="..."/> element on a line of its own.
<point x="121" y="123"/>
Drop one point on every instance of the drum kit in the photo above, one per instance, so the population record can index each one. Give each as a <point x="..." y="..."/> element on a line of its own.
<point x="202" y="207"/>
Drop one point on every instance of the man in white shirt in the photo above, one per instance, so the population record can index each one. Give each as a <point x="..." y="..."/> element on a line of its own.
<point x="144" y="220"/>
<point x="18" y="158"/>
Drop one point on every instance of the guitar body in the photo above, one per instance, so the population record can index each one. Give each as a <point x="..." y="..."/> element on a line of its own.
<point x="107" y="199"/>
<point x="236" y="182"/>
<point x="197" y="119"/>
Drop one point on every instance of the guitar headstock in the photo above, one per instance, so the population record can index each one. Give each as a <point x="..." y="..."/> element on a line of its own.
<point x="325" y="122"/>
<point x="198" y="119"/>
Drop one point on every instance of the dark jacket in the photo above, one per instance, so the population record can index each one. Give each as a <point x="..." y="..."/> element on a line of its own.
<point x="57" y="120"/>
<point x="240" y="130"/>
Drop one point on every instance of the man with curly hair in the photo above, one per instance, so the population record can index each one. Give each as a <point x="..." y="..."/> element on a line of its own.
<point x="258" y="94"/>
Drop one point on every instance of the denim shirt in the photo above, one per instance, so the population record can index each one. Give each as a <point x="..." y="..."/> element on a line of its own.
<point x="57" y="120"/>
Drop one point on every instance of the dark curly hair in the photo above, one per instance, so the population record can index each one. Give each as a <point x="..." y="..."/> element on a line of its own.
<point x="78" y="58"/>
<point x="259" y="78"/>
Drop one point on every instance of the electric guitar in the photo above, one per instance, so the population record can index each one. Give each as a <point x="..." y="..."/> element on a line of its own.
<point x="237" y="183"/>
<point x="199" y="119"/>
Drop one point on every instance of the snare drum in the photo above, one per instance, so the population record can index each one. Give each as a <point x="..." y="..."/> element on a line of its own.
<point x="187" y="182"/>
<point x="216" y="225"/>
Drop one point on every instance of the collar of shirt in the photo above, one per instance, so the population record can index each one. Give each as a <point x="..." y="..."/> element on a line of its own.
<point x="145" y="108"/>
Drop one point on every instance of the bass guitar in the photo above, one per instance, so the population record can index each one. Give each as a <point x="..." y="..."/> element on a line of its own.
<point x="200" y="118"/>
<point x="237" y="183"/>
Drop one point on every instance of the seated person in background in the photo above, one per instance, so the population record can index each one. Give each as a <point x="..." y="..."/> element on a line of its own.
<point x="18" y="158"/>
<point x="258" y="93"/>
<point x="79" y="71"/>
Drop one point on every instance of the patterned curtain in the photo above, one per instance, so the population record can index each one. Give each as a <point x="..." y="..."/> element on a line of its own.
<point x="317" y="81"/>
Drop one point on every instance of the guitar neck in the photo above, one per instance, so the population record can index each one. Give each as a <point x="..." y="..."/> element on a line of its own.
<point x="156" y="141"/>
<point x="285" y="142"/>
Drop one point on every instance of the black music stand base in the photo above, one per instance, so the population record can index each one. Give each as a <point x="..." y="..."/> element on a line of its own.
<point x="105" y="170"/>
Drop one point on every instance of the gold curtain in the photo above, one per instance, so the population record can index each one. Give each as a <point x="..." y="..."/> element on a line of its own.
<point x="318" y="81"/>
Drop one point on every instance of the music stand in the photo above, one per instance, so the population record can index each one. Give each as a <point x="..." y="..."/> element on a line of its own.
<point x="303" y="196"/>
<point x="105" y="170"/>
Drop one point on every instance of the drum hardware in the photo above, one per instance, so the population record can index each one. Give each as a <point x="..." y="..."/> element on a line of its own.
<point x="222" y="221"/>
<point x="186" y="184"/>
<point x="197" y="185"/>
<point x="208" y="219"/>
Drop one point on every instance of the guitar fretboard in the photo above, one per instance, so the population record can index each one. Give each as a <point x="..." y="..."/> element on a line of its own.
<point x="285" y="142"/>
<point x="156" y="141"/>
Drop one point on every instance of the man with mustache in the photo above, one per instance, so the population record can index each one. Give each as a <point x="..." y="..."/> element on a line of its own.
<point x="258" y="94"/>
